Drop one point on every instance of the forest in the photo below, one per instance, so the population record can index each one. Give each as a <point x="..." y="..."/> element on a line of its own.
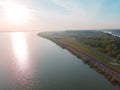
<point x="105" y="43"/>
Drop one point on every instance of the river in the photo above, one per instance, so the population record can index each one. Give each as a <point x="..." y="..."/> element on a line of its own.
<point x="29" y="62"/>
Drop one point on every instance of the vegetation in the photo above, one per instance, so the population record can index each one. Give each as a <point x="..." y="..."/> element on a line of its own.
<point x="102" y="42"/>
<point x="105" y="43"/>
<point x="104" y="48"/>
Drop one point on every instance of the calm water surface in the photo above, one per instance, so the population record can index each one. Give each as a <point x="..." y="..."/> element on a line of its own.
<point x="29" y="62"/>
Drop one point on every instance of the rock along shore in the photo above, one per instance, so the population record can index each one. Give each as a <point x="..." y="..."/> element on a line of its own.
<point x="109" y="73"/>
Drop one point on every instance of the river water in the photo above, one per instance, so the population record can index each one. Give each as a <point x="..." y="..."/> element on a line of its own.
<point x="29" y="62"/>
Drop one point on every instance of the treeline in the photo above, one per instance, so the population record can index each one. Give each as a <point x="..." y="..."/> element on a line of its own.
<point x="105" y="43"/>
<point x="102" y="42"/>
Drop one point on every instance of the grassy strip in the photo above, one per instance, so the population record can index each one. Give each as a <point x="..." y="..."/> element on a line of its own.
<point x="82" y="48"/>
<point x="79" y="46"/>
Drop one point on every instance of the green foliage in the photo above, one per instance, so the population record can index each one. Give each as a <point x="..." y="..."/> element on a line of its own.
<point x="105" y="43"/>
<point x="118" y="57"/>
<point x="113" y="79"/>
<point x="83" y="41"/>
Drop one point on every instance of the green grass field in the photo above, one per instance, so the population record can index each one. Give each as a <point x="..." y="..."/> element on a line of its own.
<point x="66" y="39"/>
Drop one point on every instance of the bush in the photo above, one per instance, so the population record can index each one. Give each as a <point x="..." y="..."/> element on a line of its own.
<point x="113" y="79"/>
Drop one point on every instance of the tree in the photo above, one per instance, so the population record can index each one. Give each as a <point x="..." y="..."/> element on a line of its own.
<point x="118" y="57"/>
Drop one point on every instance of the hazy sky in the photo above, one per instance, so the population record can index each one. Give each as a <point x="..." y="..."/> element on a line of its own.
<point x="65" y="14"/>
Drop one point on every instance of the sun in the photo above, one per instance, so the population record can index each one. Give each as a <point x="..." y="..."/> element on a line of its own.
<point x="16" y="13"/>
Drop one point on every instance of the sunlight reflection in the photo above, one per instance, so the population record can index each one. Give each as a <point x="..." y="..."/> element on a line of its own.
<point x="20" y="48"/>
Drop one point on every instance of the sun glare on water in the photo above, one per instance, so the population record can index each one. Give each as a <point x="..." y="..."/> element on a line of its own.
<point x="16" y="13"/>
<point x="20" y="50"/>
<point x="19" y="45"/>
<point x="21" y="57"/>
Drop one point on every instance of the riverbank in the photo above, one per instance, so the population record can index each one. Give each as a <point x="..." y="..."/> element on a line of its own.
<point x="108" y="72"/>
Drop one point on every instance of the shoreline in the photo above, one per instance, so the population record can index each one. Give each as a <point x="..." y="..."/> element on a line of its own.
<point x="108" y="72"/>
<point x="109" y="32"/>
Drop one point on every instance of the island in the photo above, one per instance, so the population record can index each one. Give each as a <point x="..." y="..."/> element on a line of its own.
<point x="98" y="49"/>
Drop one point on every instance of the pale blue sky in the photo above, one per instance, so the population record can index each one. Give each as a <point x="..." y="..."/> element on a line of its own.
<point x="71" y="14"/>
